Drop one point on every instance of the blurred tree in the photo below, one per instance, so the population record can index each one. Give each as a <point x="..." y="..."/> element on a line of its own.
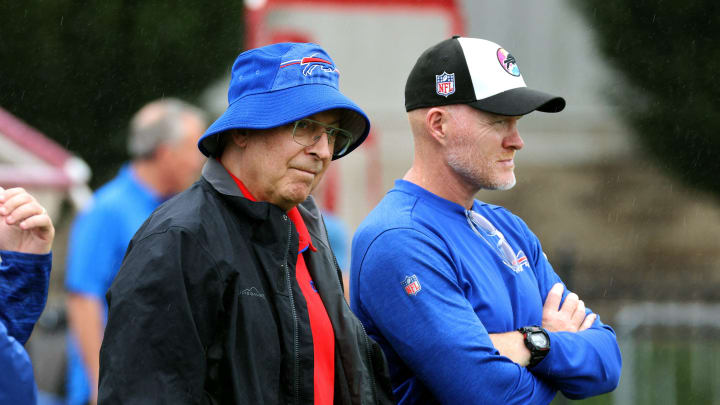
<point x="78" y="70"/>
<point x="668" y="54"/>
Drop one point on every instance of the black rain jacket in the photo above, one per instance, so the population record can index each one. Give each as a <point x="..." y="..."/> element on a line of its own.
<point x="206" y="308"/>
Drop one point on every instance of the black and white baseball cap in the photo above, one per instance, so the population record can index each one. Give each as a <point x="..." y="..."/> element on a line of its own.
<point x="476" y="72"/>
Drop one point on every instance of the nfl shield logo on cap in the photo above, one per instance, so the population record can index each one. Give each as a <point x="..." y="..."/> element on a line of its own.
<point x="411" y="285"/>
<point x="445" y="84"/>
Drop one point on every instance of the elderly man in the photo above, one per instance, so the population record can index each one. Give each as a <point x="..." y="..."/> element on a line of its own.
<point x="165" y="161"/>
<point x="26" y="235"/>
<point x="229" y="293"/>
<point x="458" y="293"/>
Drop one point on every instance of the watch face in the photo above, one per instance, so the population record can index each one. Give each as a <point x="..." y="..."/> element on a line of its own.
<point x="538" y="340"/>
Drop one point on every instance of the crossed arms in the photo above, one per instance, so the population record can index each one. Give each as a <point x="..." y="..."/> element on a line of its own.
<point x="463" y="357"/>
<point x="558" y="316"/>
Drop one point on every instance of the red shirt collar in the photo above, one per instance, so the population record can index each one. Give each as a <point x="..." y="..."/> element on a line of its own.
<point x="304" y="236"/>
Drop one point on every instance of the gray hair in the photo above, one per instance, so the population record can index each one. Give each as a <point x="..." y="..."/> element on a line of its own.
<point x="159" y="122"/>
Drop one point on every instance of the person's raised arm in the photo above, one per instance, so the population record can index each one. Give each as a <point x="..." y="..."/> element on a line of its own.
<point x="26" y="236"/>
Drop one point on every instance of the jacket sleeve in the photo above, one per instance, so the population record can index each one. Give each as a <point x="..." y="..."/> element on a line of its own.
<point x="17" y="384"/>
<point x="24" y="281"/>
<point x="436" y="331"/>
<point x="579" y="364"/>
<point x="161" y="312"/>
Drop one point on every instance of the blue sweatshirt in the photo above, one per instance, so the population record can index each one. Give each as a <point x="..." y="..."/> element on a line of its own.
<point x="24" y="280"/>
<point x="430" y="290"/>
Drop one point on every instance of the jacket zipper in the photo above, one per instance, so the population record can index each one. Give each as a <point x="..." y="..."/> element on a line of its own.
<point x="296" y="343"/>
<point x="368" y="349"/>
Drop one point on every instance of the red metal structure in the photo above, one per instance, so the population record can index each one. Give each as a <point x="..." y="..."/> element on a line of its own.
<point x="257" y="10"/>
<point x="32" y="160"/>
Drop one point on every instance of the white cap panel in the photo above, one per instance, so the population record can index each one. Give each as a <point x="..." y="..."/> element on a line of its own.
<point x="492" y="69"/>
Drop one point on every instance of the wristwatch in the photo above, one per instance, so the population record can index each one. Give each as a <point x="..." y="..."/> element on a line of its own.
<point x="537" y="341"/>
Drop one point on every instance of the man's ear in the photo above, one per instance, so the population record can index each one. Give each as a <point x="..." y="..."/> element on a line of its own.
<point x="435" y="121"/>
<point x="239" y="137"/>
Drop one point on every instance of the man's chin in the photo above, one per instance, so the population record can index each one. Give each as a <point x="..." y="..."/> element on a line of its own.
<point x="502" y="186"/>
<point x="507" y="186"/>
<point x="296" y="197"/>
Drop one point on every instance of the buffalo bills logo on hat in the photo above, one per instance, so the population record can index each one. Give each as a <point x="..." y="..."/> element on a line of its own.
<point x="445" y="84"/>
<point x="507" y="61"/>
<point x="310" y="63"/>
<point x="411" y="285"/>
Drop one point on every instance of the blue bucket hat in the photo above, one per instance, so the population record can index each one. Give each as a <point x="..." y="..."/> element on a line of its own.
<point x="282" y="83"/>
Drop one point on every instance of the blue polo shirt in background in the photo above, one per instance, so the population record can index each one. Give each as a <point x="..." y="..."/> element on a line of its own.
<point x="98" y="240"/>
<point x="338" y="236"/>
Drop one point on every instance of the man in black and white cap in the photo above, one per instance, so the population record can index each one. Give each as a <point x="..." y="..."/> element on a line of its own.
<point x="458" y="293"/>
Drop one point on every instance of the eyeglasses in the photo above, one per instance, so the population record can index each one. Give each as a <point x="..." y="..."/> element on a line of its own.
<point x="308" y="132"/>
<point x="487" y="231"/>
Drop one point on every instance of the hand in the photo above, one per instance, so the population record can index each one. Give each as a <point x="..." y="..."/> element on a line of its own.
<point x="24" y="224"/>
<point x="570" y="318"/>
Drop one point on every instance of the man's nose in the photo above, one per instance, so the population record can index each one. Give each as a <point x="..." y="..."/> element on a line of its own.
<point x="513" y="140"/>
<point x="321" y="148"/>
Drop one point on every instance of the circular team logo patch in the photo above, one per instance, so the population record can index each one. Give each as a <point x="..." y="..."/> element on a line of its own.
<point x="507" y="61"/>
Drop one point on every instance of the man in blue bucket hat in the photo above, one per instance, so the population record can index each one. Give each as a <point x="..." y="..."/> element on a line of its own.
<point x="229" y="293"/>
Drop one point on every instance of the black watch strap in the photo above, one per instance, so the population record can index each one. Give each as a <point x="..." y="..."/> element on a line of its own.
<point x="537" y="341"/>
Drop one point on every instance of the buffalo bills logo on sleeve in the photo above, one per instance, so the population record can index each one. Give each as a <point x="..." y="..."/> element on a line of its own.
<point x="445" y="84"/>
<point x="411" y="285"/>
<point x="310" y="63"/>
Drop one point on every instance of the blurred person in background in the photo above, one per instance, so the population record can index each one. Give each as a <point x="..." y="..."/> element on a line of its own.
<point x="165" y="161"/>
<point x="229" y="293"/>
<point x="26" y="236"/>
<point x="459" y="293"/>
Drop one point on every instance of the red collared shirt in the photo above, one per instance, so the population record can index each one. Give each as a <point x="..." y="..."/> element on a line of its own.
<point x="320" y="326"/>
